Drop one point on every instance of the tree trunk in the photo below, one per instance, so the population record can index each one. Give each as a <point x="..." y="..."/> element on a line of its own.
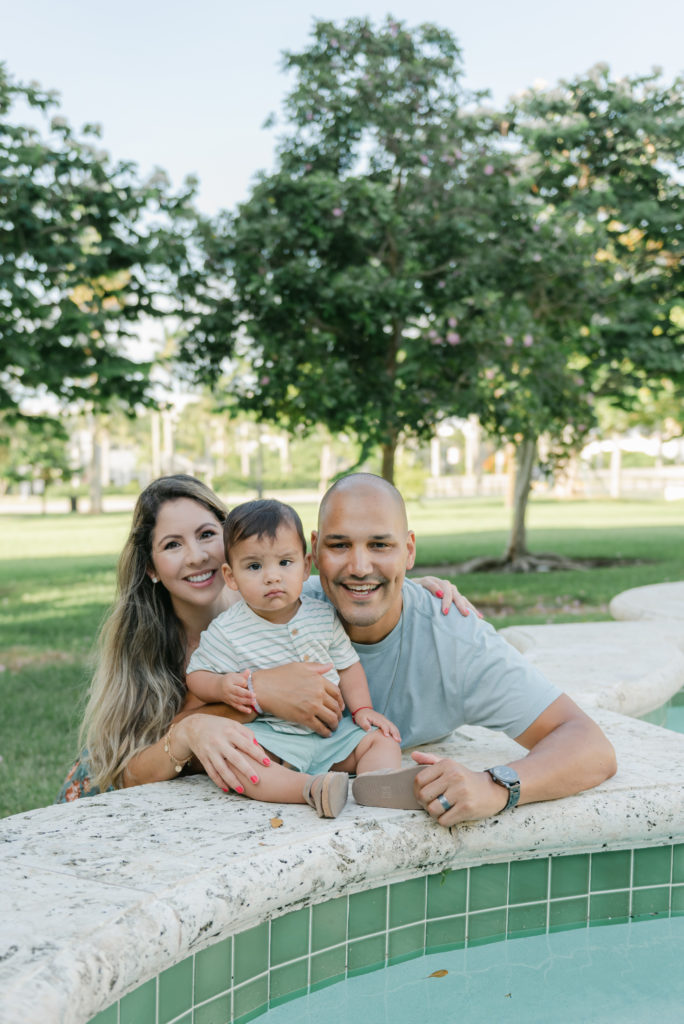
<point x="388" y="453"/>
<point x="96" y="468"/>
<point x="525" y="458"/>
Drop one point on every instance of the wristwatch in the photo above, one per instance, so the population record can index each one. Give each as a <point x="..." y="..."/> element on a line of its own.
<point x="510" y="780"/>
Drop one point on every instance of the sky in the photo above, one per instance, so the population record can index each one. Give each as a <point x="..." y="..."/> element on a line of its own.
<point x="186" y="85"/>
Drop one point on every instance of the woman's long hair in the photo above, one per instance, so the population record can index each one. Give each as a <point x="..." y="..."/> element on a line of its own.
<point x="139" y="681"/>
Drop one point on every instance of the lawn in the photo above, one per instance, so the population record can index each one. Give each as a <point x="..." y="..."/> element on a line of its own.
<point x="57" y="580"/>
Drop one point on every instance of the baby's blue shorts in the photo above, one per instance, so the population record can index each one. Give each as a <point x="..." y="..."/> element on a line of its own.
<point x="309" y="752"/>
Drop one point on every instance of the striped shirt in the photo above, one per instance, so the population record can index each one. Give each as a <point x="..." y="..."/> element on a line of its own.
<point x="239" y="639"/>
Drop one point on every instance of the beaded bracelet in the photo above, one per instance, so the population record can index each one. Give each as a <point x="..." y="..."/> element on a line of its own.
<point x="178" y="766"/>
<point x="255" y="703"/>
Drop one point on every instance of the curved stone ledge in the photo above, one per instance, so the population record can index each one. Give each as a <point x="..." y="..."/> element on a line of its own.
<point x="659" y="602"/>
<point x="629" y="667"/>
<point x="106" y="892"/>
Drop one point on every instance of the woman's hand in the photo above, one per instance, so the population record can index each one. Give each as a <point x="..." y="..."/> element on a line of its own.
<point x="298" y="692"/>
<point x="222" y="746"/>
<point x="449" y="594"/>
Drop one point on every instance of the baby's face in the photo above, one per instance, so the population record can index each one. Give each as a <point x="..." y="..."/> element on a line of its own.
<point x="269" y="573"/>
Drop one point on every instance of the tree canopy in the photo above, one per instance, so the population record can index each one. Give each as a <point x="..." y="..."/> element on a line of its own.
<point x="86" y="249"/>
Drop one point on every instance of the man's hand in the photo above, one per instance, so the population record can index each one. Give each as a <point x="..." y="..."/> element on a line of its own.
<point x="298" y="693"/>
<point x="472" y="795"/>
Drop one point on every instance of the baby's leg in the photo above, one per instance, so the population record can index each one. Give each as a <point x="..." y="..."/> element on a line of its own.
<point x="373" y="753"/>
<point x="326" y="793"/>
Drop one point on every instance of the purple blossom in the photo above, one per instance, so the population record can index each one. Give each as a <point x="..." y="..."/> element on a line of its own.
<point x="424" y="159"/>
<point x="490" y="374"/>
<point x="337" y="211"/>
<point x="264" y="381"/>
<point x="452" y="321"/>
<point x="394" y="29"/>
<point x="508" y="341"/>
<point x="309" y="115"/>
<point x="453" y="338"/>
<point x="528" y="340"/>
<point x="488" y="169"/>
<point x="334" y="43"/>
<point x="441" y="284"/>
<point x="437" y="340"/>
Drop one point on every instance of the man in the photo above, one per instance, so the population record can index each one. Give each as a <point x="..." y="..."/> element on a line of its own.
<point x="431" y="673"/>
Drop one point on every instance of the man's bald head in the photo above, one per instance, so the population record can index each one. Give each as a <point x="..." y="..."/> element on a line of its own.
<point x="366" y="485"/>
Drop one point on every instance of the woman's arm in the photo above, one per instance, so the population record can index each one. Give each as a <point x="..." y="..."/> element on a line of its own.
<point x="208" y="733"/>
<point x="449" y="594"/>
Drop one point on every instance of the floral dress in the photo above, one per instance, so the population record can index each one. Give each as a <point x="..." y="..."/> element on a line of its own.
<point x="78" y="782"/>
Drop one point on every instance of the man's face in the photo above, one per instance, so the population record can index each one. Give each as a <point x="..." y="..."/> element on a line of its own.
<point x="362" y="550"/>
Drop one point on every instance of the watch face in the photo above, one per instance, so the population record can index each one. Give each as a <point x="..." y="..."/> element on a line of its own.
<point x="505" y="774"/>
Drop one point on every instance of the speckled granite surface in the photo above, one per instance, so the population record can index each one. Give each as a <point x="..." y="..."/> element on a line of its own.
<point x="101" y="894"/>
<point x="630" y="667"/>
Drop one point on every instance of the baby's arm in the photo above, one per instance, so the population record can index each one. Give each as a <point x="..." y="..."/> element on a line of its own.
<point x="354" y="689"/>
<point x="229" y="687"/>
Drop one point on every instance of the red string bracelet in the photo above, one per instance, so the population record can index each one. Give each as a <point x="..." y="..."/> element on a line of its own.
<point x="364" y="708"/>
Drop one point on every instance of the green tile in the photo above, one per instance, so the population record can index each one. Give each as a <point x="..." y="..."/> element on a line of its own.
<point x="405" y="942"/>
<point x="251" y="953"/>
<point x="215" y="1012"/>
<point x="570" y="875"/>
<point x="650" y="902"/>
<point x="486" y="927"/>
<point x="678" y="863"/>
<point x="527" y="920"/>
<point x="677" y="902"/>
<point x="609" y="906"/>
<point x="407" y="902"/>
<point x="652" y="866"/>
<point x="366" y="954"/>
<point x="185" y="1019"/>
<point x="249" y="1000"/>
<point x="329" y="924"/>
<point x="611" y="870"/>
<point x="328" y="966"/>
<point x="488" y="886"/>
<point x="367" y="912"/>
<point x="567" y="914"/>
<point x="140" y="1006"/>
<point x="108" y="1016"/>
<point x="290" y="936"/>
<point x="446" y="893"/>
<point x="213" y="967"/>
<point x="449" y="933"/>
<point x="175" y="991"/>
<point x="286" y="982"/>
<point x="528" y="881"/>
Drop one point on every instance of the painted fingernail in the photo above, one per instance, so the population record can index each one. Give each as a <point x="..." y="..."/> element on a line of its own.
<point x="254" y="778"/>
<point x="225" y="790"/>
<point x="239" y="789"/>
<point x="445" y="611"/>
<point x="439" y="593"/>
<point x="266" y="761"/>
<point x="255" y="740"/>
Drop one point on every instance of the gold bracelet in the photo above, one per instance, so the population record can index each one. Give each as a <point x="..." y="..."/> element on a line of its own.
<point x="178" y="766"/>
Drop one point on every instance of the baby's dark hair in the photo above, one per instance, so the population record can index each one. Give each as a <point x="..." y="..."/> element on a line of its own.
<point x="259" y="518"/>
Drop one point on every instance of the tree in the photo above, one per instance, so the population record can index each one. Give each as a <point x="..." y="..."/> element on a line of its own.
<point x="86" y="250"/>
<point x="600" y="162"/>
<point x="33" y="448"/>
<point x="362" y="270"/>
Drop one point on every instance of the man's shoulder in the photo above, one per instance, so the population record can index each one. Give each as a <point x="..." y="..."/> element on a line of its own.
<point x="425" y="611"/>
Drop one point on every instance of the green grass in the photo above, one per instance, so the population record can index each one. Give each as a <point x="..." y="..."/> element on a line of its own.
<point x="57" y="580"/>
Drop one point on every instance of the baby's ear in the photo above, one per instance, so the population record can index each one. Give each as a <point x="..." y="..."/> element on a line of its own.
<point x="228" y="576"/>
<point x="307" y="566"/>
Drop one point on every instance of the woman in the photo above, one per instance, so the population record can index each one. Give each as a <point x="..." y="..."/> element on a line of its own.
<point x="141" y="725"/>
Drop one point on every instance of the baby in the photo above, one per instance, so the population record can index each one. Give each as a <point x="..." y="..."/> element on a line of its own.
<point x="274" y="624"/>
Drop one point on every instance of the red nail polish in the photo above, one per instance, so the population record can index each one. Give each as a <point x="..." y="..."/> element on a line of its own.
<point x="439" y="593"/>
<point x="254" y="778"/>
<point x="255" y="740"/>
<point x="239" y="789"/>
<point x="266" y="761"/>
<point x="445" y="611"/>
<point x="225" y="790"/>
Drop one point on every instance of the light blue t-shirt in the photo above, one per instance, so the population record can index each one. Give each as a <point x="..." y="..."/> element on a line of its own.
<point x="435" y="672"/>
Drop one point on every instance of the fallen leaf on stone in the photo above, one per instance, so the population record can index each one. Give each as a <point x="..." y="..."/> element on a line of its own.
<point x="276" y="822"/>
<point x="437" y="974"/>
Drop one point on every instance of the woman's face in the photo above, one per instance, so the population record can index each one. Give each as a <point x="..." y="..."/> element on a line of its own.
<point x="187" y="553"/>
